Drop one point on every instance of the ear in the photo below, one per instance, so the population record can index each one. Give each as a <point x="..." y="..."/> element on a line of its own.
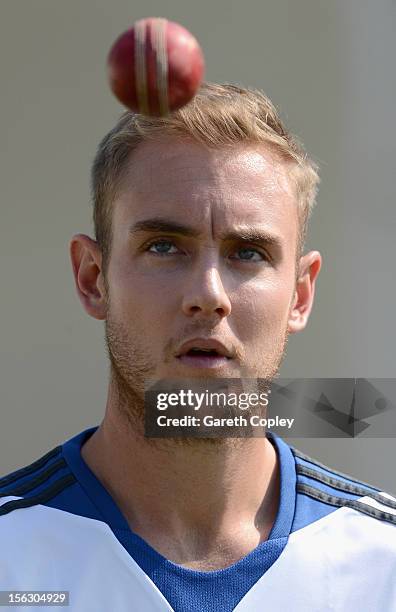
<point x="86" y="259"/>
<point x="309" y="267"/>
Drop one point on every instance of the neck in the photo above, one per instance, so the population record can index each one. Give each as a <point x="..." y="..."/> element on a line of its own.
<point x="204" y="503"/>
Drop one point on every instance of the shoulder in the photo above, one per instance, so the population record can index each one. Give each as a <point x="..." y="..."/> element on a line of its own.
<point x="344" y="534"/>
<point x="36" y="483"/>
<point x="325" y="492"/>
<point x="45" y="515"/>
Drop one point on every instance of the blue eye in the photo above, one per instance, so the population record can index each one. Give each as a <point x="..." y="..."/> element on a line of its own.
<point x="247" y="250"/>
<point x="162" y="243"/>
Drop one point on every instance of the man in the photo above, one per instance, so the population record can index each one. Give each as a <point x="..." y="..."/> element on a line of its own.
<point x="200" y="221"/>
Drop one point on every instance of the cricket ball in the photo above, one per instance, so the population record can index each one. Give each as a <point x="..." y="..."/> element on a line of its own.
<point x="155" y="67"/>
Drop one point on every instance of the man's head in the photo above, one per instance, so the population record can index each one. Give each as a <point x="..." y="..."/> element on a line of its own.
<point x="225" y="168"/>
<point x="219" y="116"/>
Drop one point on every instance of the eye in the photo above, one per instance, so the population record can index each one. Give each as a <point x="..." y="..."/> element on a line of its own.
<point x="247" y="251"/>
<point x="163" y="243"/>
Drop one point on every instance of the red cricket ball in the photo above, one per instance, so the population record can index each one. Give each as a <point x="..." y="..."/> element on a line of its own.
<point x="155" y="67"/>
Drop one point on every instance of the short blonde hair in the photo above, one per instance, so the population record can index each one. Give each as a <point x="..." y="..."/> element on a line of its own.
<point x="218" y="116"/>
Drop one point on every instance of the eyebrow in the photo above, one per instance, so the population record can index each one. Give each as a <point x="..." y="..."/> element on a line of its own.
<point x="246" y="233"/>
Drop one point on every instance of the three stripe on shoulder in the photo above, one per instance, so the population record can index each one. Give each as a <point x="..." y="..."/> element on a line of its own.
<point x="29" y="469"/>
<point x="353" y="486"/>
<point x="301" y="455"/>
<point x="349" y="503"/>
<point x="45" y="494"/>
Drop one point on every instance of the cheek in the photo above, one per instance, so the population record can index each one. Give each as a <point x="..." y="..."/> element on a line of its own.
<point x="140" y="297"/>
<point x="262" y="309"/>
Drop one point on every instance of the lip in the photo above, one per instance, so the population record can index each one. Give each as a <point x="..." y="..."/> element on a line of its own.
<point x="205" y="343"/>
<point x="210" y="362"/>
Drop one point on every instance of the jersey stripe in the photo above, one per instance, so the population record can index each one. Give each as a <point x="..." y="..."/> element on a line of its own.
<point x="35" y="482"/>
<point x="29" y="469"/>
<point x="332" y="500"/>
<point x="301" y="455"/>
<point x="347" y="487"/>
<point x="42" y="497"/>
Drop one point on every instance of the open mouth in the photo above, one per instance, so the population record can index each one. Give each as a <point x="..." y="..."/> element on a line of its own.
<point x="202" y="357"/>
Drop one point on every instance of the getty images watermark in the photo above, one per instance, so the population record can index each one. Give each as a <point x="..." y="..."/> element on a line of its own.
<point x="249" y="407"/>
<point x="209" y="408"/>
<point x="215" y="400"/>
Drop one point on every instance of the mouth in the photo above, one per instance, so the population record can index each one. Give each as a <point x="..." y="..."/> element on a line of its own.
<point x="203" y="358"/>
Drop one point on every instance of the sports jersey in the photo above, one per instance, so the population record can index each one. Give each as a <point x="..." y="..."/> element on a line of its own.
<point x="332" y="546"/>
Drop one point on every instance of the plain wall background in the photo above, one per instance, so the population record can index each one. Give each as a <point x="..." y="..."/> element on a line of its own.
<point x="328" y="66"/>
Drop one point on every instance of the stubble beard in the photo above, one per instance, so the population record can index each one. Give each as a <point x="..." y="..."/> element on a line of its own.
<point x="128" y="370"/>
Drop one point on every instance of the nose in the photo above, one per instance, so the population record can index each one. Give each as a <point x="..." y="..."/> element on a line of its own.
<point x="205" y="292"/>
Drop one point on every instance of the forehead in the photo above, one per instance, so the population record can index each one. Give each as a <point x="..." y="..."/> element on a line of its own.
<point x="227" y="186"/>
